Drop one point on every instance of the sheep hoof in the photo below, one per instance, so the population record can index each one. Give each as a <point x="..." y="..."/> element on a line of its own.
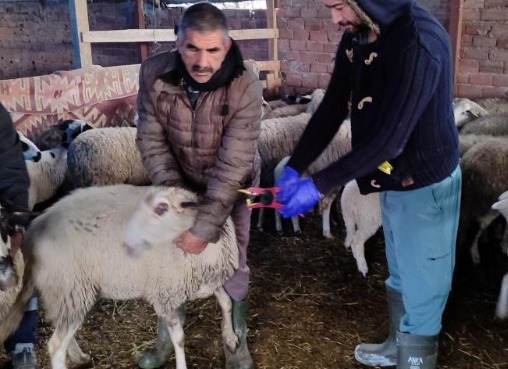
<point x="328" y="235"/>
<point x="231" y="341"/>
<point x="83" y="360"/>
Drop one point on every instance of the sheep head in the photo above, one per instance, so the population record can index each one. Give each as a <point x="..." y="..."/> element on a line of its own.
<point x="10" y="223"/>
<point x="161" y="216"/>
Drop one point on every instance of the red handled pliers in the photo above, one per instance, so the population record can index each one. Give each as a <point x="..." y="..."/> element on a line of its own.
<point x="266" y="197"/>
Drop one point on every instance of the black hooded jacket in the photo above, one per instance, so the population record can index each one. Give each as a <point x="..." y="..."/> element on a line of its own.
<point x="401" y="93"/>
<point x="14" y="182"/>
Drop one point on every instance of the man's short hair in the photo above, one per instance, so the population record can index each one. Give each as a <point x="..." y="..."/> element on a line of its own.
<point x="203" y="17"/>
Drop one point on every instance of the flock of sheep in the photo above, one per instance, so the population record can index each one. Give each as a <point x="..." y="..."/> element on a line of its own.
<point x="85" y="232"/>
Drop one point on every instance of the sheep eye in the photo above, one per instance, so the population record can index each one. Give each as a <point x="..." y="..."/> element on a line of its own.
<point x="161" y="208"/>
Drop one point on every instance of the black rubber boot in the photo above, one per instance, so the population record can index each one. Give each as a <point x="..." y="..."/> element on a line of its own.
<point x="240" y="359"/>
<point x="158" y="355"/>
<point x="384" y="354"/>
<point x="416" y="352"/>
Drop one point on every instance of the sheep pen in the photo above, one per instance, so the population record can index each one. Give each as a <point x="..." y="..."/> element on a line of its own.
<point x="309" y="308"/>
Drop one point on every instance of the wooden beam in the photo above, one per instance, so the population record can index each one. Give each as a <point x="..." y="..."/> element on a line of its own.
<point x="166" y="35"/>
<point x="271" y="20"/>
<point x="78" y="10"/>
<point x="143" y="49"/>
<point x="455" y="31"/>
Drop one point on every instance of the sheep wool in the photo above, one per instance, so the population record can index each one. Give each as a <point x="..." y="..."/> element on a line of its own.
<point x="85" y="240"/>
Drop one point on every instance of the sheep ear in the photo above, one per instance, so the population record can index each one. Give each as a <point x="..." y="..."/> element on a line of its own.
<point x="189" y="205"/>
<point x="161" y="208"/>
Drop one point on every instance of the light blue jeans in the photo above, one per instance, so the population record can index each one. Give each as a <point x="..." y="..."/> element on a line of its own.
<point x="420" y="229"/>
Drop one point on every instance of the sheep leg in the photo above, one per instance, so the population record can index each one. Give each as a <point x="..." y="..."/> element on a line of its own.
<point x="75" y="355"/>
<point x="59" y="342"/>
<point x="278" y="222"/>
<point x="177" y="337"/>
<point x="504" y="240"/>
<point x="358" y="248"/>
<point x="502" y="301"/>
<point x="327" y="233"/>
<point x="484" y="223"/>
<point x="350" y="230"/>
<point x="295" y="221"/>
<point x="229" y="337"/>
<point x="261" y="216"/>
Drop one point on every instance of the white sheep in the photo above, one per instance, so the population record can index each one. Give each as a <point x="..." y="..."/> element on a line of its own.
<point x="466" y="141"/>
<point x="286" y="111"/>
<point x="494" y="125"/>
<point x="362" y="219"/>
<point x="30" y="150"/>
<point x="340" y="145"/>
<point x="106" y="156"/>
<point x="46" y="175"/>
<point x="502" y="302"/>
<point x="465" y="110"/>
<point x="75" y="252"/>
<point x="494" y="105"/>
<point x="279" y="136"/>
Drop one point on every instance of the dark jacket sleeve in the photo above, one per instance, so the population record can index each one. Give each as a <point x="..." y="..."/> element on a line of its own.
<point x="332" y="111"/>
<point x="14" y="182"/>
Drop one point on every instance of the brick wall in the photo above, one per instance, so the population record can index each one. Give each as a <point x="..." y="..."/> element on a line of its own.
<point x="483" y="69"/>
<point x="36" y="40"/>
<point x="308" y="42"/>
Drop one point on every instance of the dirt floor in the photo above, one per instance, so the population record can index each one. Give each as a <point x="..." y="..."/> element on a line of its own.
<point x="309" y="308"/>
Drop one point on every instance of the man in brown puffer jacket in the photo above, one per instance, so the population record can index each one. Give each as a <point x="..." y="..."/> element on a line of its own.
<point x="199" y="123"/>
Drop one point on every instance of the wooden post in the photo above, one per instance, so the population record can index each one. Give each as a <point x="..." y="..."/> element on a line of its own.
<point x="78" y="10"/>
<point x="273" y="81"/>
<point x="455" y="31"/>
<point x="143" y="50"/>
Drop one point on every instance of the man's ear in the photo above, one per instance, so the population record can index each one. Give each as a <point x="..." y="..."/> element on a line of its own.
<point x="229" y="42"/>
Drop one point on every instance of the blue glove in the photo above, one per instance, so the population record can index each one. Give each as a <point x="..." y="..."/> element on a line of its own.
<point x="303" y="199"/>
<point x="287" y="184"/>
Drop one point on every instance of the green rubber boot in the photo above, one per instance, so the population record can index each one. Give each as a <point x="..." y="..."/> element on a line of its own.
<point x="384" y="354"/>
<point x="158" y="355"/>
<point x="416" y="352"/>
<point x="240" y="358"/>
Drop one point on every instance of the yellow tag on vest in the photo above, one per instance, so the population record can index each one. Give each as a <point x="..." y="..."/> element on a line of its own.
<point x="385" y="168"/>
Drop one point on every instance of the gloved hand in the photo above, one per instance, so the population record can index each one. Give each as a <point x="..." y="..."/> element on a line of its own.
<point x="303" y="198"/>
<point x="287" y="184"/>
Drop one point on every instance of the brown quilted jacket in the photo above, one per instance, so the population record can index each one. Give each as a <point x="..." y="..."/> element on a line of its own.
<point x="202" y="150"/>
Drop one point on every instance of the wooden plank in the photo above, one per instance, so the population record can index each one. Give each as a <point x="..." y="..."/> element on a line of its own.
<point x="143" y="49"/>
<point x="82" y="50"/>
<point x="271" y="20"/>
<point x="455" y="31"/>
<point x="166" y="35"/>
<point x="268" y="65"/>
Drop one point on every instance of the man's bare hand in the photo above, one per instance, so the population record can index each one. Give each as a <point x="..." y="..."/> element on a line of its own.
<point x="190" y="243"/>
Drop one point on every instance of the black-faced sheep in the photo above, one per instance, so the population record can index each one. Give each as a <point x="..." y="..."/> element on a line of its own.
<point x="30" y="150"/>
<point x="84" y="235"/>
